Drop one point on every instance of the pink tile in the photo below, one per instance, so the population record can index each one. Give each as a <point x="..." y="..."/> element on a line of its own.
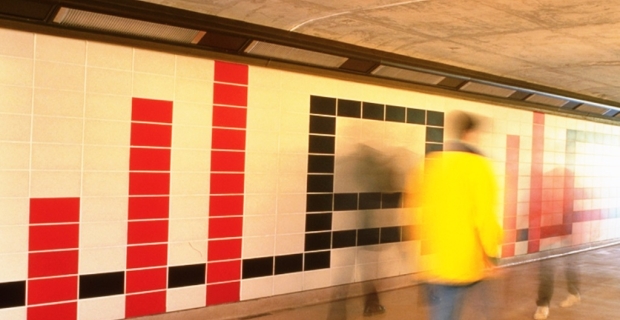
<point x="508" y="250"/>
<point x="539" y="118"/>
<point x="151" y="110"/>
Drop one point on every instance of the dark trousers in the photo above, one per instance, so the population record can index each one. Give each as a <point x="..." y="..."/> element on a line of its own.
<point x="546" y="277"/>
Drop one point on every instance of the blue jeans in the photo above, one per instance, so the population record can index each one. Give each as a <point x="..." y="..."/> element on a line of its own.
<point x="445" y="301"/>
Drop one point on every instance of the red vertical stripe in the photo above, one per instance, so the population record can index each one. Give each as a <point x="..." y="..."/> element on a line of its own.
<point x="536" y="182"/>
<point x="511" y="192"/>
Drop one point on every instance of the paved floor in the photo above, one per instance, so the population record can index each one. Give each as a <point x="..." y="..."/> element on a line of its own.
<point x="510" y="295"/>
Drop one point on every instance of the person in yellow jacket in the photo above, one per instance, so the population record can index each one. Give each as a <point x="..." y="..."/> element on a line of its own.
<point x="460" y="233"/>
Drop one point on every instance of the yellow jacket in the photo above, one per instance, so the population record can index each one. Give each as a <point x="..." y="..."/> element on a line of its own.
<point x="459" y="227"/>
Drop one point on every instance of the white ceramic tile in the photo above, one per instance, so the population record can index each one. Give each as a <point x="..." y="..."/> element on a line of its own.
<point x="111" y="133"/>
<point x="194" y="68"/>
<point x="60" y="76"/>
<point x="256" y="288"/>
<point x="289" y="243"/>
<point x="56" y="156"/>
<point x="255" y="247"/>
<point x="57" y="130"/>
<point x="193" y="90"/>
<point x="17" y="184"/>
<point x="292" y="183"/>
<point x="259" y="141"/>
<point x="16" y="99"/>
<point x="259" y="204"/>
<point x="102" y="308"/>
<point x="263" y="119"/>
<point x="344" y="257"/>
<point x="15" y="211"/>
<point x="261" y="183"/>
<point x="47" y="49"/>
<point x="287" y="283"/>
<point x="182" y="183"/>
<point x="152" y="86"/>
<point x="263" y="225"/>
<point x="14" y="313"/>
<point x="365" y="272"/>
<point x="293" y="163"/>
<point x="109" y="56"/>
<point x="98" y="184"/>
<point x="342" y="275"/>
<point x="16" y="71"/>
<point x="103" y="234"/>
<point x="15" y="127"/>
<point x="186" y="298"/>
<point x="291" y="203"/>
<point x="188" y="229"/>
<point x="108" y="81"/>
<point x="190" y="160"/>
<point x="260" y="162"/>
<point x="317" y="279"/>
<point x="294" y="122"/>
<point x="191" y="137"/>
<point x="294" y="143"/>
<point x="16" y="43"/>
<point x="53" y="102"/>
<point x="154" y="62"/>
<point x="14" y="156"/>
<point x="98" y="209"/>
<point x="187" y="253"/>
<point x="189" y="113"/>
<point x="14" y="267"/>
<point x="102" y="260"/>
<point x="104" y="158"/>
<point x="346" y="220"/>
<point x="108" y="107"/>
<point x="290" y="224"/>
<point x="55" y="184"/>
<point x="14" y="239"/>
<point x="189" y="206"/>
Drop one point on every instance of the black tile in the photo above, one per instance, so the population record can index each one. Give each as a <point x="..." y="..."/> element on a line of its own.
<point x="318" y="221"/>
<point x="345" y="201"/>
<point x="322" y="125"/>
<point x="373" y="111"/>
<point x="367" y="237"/>
<point x="12" y="294"/>
<point x="433" y="147"/>
<point x="258" y="267"/>
<point x="348" y="108"/>
<point x="318" y="241"/>
<point x="183" y="276"/>
<point x="316" y="260"/>
<point x="408" y="233"/>
<point x="344" y="239"/>
<point x="391" y="200"/>
<point x="319" y="202"/>
<point x="102" y="284"/>
<point x="320" y="164"/>
<point x="323" y="105"/>
<point x="416" y="116"/>
<point x="390" y="234"/>
<point x="322" y="144"/>
<point x="320" y="183"/>
<point x="289" y="263"/>
<point x="522" y="234"/>
<point x="434" y="118"/>
<point x="371" y="200"/>
<point x="434" y="134"/>
<point x="396" y="114"/>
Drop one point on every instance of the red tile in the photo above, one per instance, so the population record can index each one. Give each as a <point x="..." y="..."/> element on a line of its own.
<point x="53" y="210"/>
<point x="510" y="236"/>
<point x="151" y="135"/>
<point x="513" y="142"/>
<point x="147" y="231"/>
<point x="227" y="183"/>
<point x="551" y="231"/>
<point x="151" y="110"/>
<point x="227" y="161"/>
<point x="533" y="246"/>
<point x="149" y="207"/>
<point x="223" y="271"/>
<point x="146" y="280"/>
<point x="539" y="118"/>
<point x="50" y="237"/>
<point x="228" y="139"/>
<point x="534" y="233"/>
<point x="224" y="249"/>
<point x="52" y="290"/>
<point x="510" y="223"/>
<point x="63" y="311"/>
<point x="137" y="305"/>
<point x="231" y="72"/>
<point x="230" y="94"/>
<point x="222" y="293"/>
<point x="147" y="183"/>
<point x="225" y="227"/>
<point x="55" y="263"/>
<point x="143" y="256"/>
<point x="231" y="117"/>
<point x="149" y="159"/>
<point x="508" y="250"/>
<point x="225" y="205"/>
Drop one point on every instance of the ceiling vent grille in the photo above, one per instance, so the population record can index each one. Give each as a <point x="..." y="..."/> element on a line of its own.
<point x="270" y="50"/>
<point x="592" y="109"/>
<point x="103" y="22"/>
<point x="486" y="89"/>
<point x="546" y="100"/>
<point x="407" y="75"/>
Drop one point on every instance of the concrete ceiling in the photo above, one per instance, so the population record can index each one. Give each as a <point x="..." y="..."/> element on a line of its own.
<point x="570" y="45"/>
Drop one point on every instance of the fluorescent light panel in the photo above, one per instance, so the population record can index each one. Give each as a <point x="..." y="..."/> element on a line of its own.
<point x="407" y="75"/>
<point x="591" y="109"/>
<point x="103" y="22"/>
<point x="270" y="50"/>
<point x="486" y="89"/>
<point x="546" y="100"/>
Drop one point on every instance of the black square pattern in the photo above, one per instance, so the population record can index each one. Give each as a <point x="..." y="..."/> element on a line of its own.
<point x="320" y="183"/>
<point x="434" y="118"/>
<point x="322" y="125"/>
<point x="434" y="134"/>
<point x="318" y="222"/>
<point x="319" y="202"/>
<point x="371" y="200"/>
<point x="259" y="267"/>
<point x="323" y="105"/>
<point x="433" y="147"/>
<point x="317" y="260"/>
<point x="289" y="263"/>
<point x="322" y="144"/>
<point x="522" y="235"/>
<point x="348" y="108"/>
<point x="408" y="233"/>
<point x="367" y="237"/>
<point x="373" y="111"/>
<point x="13" y="294"/>
<point x="320" y="164"/>
<point x="390" y="234"/>
<point x="183" y="276"/>
<point x="344" y="239"/>
<point x="395" y="114"/>
<point x="345" y="201"/>
<point x="318" y="241"/>
<point x="391" y="200"/>
<point x="102" y="284"/>
<point x="416" y="116"/>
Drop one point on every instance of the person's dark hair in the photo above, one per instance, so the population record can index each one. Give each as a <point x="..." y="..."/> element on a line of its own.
<point x="462" y="123"/>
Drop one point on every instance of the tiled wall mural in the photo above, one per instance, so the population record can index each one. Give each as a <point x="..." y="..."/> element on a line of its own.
<point x="138" y="182"/>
